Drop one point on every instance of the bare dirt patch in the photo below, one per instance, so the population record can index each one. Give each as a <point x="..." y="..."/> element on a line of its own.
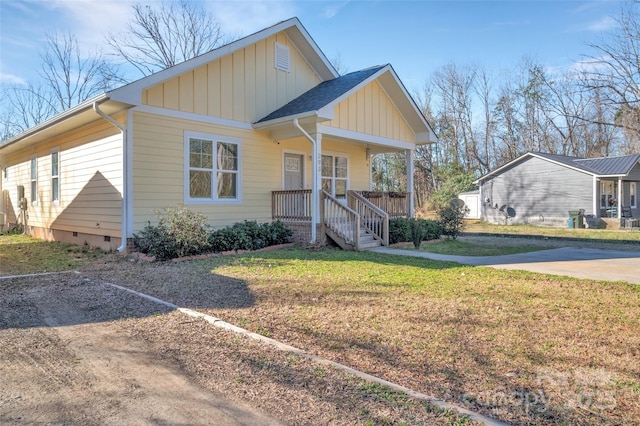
<point x="77" y="351"/>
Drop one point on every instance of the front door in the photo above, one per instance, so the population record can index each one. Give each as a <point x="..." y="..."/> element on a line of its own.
<point x="293" y="171"/>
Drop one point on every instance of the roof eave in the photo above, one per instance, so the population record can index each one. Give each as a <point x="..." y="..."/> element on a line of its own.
<point x="65" y="115"/>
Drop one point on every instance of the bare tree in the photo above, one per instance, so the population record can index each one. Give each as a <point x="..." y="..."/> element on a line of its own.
<point x="161" y="36"/>
<point x="71" y="78"/>
<point x="615" y="74"/>
<point x="24" y="107"/>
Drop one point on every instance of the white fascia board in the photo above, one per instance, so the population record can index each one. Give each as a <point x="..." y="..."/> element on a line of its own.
<point x="132" y="92"/>
<point x="285" y="119"/>
<point x="193" y="117"/>
<point x="363" y="137"/>
<point x="88" y="104"/>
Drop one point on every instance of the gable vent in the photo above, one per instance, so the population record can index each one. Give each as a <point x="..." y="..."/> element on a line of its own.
<point x="283" y="57"/>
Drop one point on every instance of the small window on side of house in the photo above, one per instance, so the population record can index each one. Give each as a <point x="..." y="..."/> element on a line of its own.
<point x="55" y="177"/>
<point x="34" y="180"/>
<point x="633" y="194"/>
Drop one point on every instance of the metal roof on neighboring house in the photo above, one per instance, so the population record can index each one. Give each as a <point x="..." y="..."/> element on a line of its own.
<point x="601" y="166"/>
<point x="611" y="165"/>
<point x="322" y="95"/>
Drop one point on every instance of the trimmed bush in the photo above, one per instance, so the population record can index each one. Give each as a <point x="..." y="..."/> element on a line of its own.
<point x="403" y="229"/>
<point x="182" y="232"/>
<point x="179" y="232"/>
<point x="452" y="219"/>
<point x="249" y="235"/>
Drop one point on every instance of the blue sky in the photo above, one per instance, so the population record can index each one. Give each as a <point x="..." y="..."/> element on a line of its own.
<point x="416" y="37"/>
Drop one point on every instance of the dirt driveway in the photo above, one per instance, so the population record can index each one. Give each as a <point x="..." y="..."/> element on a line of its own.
<point x="64" y="362"/>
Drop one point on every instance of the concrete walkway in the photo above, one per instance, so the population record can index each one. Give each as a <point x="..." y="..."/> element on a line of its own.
<point x="606" y="265"/>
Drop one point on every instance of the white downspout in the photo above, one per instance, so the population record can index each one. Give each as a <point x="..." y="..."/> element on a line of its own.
<point x="315" y="211"/>
<point x="125" y="180"/>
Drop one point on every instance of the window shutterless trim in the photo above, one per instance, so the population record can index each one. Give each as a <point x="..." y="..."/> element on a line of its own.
<point x="55" y="175"/>
<point x="214" y="139"/>
<point x="33" y="180"/>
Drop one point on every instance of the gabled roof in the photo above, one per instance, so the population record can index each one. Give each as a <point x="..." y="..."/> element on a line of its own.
<point x="319" y="102"/>
<point x="610" y="166"/>
<point x="322" y="95"/>
<point x="600" y="167"/>
<point x="132" y="92"/>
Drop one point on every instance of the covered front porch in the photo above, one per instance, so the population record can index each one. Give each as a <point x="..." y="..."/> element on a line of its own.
<point x="617" y="198"/>
<point x="358" y="222"/>
<point x="327" y="137"/>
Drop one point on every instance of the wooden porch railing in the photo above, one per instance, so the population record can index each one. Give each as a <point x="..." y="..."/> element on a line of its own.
<point x="395" y="204"/>
<point x="292" y="205"/>
<point x="340" y="219"/>
<point x="373" y="219"/>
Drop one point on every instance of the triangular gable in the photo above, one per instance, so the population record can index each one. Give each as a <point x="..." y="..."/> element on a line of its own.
<point x="132" y="93"/>
<point x="563" y="161"/>
<point x="600" y="167"/>
<point x="321" y="101"/>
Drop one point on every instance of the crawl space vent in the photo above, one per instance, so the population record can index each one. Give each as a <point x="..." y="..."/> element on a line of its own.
<point x="283" y="57"/>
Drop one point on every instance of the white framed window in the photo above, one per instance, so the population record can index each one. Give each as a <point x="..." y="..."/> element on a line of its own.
<point x="212" y="169"/>
<point x="34" y="180"/>
<point x="633" y="194"/>
<point x="55" y="177"/>
<point x="335" y="175"/>
<point x="607" y="194"/>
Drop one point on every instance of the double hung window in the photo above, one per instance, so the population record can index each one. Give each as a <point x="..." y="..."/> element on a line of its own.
<point x="212" y="169"/>
<point x="335" y="175"/>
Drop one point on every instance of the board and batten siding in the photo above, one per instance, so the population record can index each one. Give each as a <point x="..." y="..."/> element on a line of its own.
<point x="370" y="111"/>
<point x="158" y="171"/>
<point x="242" y="86"/>
<point x="90" y="182"/>
<point x="539" y="192"/>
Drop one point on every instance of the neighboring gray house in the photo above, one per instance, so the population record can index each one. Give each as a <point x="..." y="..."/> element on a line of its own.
<point x="540" y="189"/>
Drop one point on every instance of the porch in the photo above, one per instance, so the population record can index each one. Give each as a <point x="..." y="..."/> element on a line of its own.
<point x="357" y="222"/>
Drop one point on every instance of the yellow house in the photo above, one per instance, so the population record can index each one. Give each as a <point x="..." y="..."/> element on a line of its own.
<point x="263" y="128"/>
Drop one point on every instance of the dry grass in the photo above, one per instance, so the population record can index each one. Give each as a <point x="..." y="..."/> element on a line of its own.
<point x="596" y="234"/>
<point x="527" y="348"/>
<point x="22" y="254"/>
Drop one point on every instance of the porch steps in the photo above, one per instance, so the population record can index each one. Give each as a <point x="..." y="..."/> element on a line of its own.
<point x="367" y="241"/>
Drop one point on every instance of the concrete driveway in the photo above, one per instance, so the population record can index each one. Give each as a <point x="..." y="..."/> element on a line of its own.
<point x="596" y="264"/>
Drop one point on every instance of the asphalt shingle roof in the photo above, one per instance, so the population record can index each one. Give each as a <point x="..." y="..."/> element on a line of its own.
<point x="323" y="94"/>
<point x="601" y="166"/>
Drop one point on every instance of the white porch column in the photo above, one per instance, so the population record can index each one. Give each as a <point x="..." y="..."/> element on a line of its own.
<point x="596" y="210"/>
<point x="410" y="185"/>
<point x="619" y="198"/>
<point x="316" y="184"/>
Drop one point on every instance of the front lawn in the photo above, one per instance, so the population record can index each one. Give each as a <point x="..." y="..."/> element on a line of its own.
<point x="523" y="347"/>
<point x="22" y="254"/>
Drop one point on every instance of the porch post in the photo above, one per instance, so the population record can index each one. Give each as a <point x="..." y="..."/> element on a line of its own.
<point x="619" y="198"/>
<point x="316" y="184"/>
<point x="410" y="186"/>
<point x="596" y="210"/>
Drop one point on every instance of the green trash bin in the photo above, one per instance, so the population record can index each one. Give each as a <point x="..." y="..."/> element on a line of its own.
<point x="576" y="218"/>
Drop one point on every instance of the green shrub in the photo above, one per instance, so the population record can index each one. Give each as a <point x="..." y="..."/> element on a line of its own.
<point x="249" y="235"/>
<point x="452" y="219"/>
<point x="399" y="230"/>
<point x="403" y="229"/>
<point x="179" y="232"/>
